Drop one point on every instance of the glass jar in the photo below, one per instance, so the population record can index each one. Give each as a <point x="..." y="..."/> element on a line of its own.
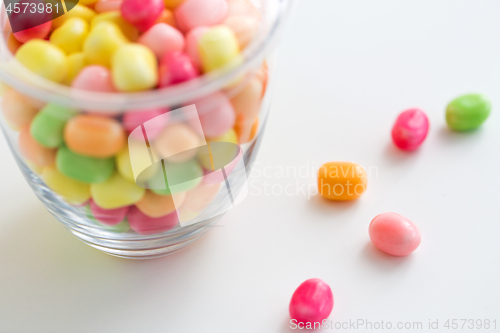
<point x="185" y="151"/>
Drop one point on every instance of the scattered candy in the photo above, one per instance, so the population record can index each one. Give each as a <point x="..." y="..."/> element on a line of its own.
<point x="341" y="181"/>
<point x="468" y="112"/>
<point x="394" y="234"/>
<point x="86" y="169"/>
<point x="311" y="303"/>
<point x="134" y="68"/>
<point x="94" y="136"/>
<point x="116" y="192"/>
<point x="410" y="129"/>
<point x="145" y="225"/>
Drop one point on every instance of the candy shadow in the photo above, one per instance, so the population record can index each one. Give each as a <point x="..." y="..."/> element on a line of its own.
<point x="324" y="206"/>
<point x="396" y="155"/>
<point x="381" y="261"/>
<point x="451" y="137"/>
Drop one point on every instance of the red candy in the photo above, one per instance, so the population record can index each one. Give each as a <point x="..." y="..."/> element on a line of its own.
<point x="176" y="67"/>
<point x="311" y="302"/>
<point x="145" y="225"/>
<point x="410" y="129"/>
<point x="108" y="216"/>
<point x="142" y="13"/>
<point x="26" y="24"/>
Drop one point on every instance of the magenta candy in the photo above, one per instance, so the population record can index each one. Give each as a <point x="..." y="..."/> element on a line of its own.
<point x="176" y="67"/>
<point x="94" y="78"/>
<point x="162" y="39"/>
<point x="134" y="119"/>
<point x="145" y="225"/>
<point x="192" y="45"/>
<point x="108" y="216"/>
<point x="142" y="13"/>
<point x="410" y="129"/>
<point x="195" y="13"/>
<point x="394" y="234"/>
<point x="216" y="114"/>
<point x="312" y="302"/>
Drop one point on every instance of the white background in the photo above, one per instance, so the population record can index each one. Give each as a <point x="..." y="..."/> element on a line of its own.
<point x="347" y="68"/>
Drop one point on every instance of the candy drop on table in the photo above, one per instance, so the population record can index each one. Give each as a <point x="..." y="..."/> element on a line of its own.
<point x="216" y="114"/>
<point x="70" y="36"/>
<point x="145" y="225"/>
<point x="136" y="118"/>
<point x="116" y="192"/>
<point x="48" y="125"/>
<point x="103" y="6"/>
<point x="162" y="39"/>
<point x="115" y="16"/>
<point x="410" y="129"/>
<point x="73" y="191"/>
<point x="341" y="181"/>
<point x="94" y="78"/>
<point x="185" y="176"/>
<point x="394" y="234"/>
<point x="33" y="151"/>
<point x="218" y="48"/>
<point x="44" y="59"/>
<point x="78" y="11"/>
<point x="192" y="41"/>
<point x="468" y="112"/>
<point x="154" y="205"/>
<point x="142" y="13"/>
<point x="83" y="168"/>
<point x="102" y="42"/>
<point x="76" y="62"/>
<point x="312" y="302"/>
<point x="108" y="216"/>
<point x="244" y="27"/>
<point x="176" y="67"/>
<point x="16" y="110"/>
<point x="177" y="143"/>
<point x="134" y="68"/>
<point x="194" y="13"/>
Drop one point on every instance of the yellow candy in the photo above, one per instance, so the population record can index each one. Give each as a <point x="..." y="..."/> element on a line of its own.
<point x="134" y="68"/>
<point x="78" y="11"/>
<point x="225" y="154"/>
<point x="70" y="36"/>
<point x="44" y="59"/>
<point x="141" y="161"/>
<point x="115" y="16"/>
<point x="219" y="48"/>
<point x="116" y="192"/>
<point x="76" y="62"/>
<point x="73" y="191"/>
<point x="104" y="39"/>
<point x="87" y="2"/>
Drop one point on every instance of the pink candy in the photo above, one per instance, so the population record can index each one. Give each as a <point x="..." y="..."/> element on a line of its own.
<point x="145" y="225"/>
<point x="94" y="78"/>
<point x="108" y="216"/>
<point x="142" y="13"/>
<point x="192" y="45"/>
<point x="194" y="13"/>
<point x="176" y="67"/>
<point x="410" y="129"/>
<point x="216" y="114"/>
<point x="394" y="234"/>
<point x="134" y="119"/>
<point x="162" y="39"/>
<point x="311" y="302"/>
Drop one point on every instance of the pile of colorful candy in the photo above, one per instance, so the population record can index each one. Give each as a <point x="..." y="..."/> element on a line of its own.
<point x="125" y="46"/>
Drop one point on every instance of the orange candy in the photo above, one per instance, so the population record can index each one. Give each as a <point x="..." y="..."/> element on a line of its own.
<point x="94" y="136"/>
<point x="154" y="205"/>
<point x="178" y="143"/>
<point x="246" y="104"/>
<point x="341" y="181"/>
<point x="166" y="16"/>
<point x="200" y="197"/>
<point x="253" y="133"/>
<point x="33" y="151"/>
<point x="17" y="110"/>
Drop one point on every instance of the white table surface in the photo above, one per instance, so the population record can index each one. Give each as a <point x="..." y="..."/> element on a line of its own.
<point x="347" y="68"/>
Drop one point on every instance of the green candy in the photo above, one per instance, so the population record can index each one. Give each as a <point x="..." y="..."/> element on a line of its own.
<point x="468" y="112"/>
<point x="119" y="228"/>
<point x="184" y="176"/>
<point x="89" y="170"/>
<point x="48" y="126"/>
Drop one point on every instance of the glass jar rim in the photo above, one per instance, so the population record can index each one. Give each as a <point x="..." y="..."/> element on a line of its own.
<point x="18" y="77"/>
